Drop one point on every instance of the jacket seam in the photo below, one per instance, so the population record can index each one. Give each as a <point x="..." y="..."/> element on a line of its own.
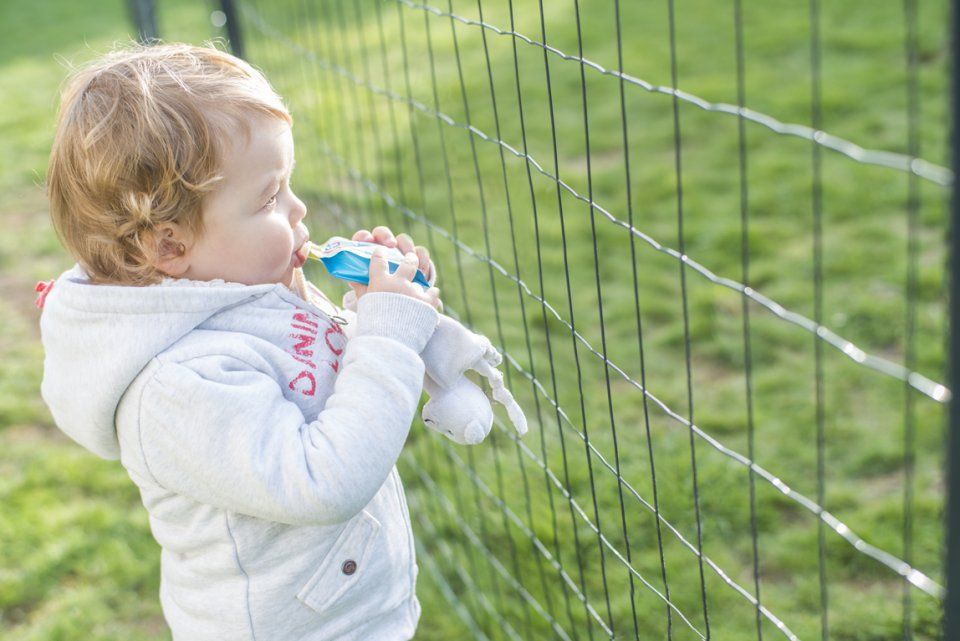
<point x="246" y="577"/>
<point x="226" y="514"/>
<point x="299" y="302"/>
<point x="143" y="453"/>
<point x="411" y="543"/>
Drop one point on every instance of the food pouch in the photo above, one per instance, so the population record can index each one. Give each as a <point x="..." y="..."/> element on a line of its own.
<point x="350" y="259"/>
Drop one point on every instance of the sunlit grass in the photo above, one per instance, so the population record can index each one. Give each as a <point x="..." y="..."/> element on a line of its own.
<point x="74" y="581"/>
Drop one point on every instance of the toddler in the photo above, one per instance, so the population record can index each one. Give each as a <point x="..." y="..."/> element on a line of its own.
<point x="260" y="422"/>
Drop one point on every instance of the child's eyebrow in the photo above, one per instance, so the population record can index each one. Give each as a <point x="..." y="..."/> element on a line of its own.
<point x="273" y="181"/>
<point x="268" y="189"/>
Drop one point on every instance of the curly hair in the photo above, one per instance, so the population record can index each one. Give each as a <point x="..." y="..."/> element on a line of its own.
<point x="141" y="135"/>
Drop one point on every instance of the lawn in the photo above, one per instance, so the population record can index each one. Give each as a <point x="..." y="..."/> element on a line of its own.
<point x="395" y="123"/>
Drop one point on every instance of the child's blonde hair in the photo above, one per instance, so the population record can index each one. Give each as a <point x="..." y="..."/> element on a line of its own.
<point x="140" y="139"/>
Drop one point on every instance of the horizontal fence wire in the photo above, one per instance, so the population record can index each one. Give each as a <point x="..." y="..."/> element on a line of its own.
<point x="918" y="166"/>
<point x="935" y="390"/>
<point x="484" y="570"/>
<point x="914" y="576"/>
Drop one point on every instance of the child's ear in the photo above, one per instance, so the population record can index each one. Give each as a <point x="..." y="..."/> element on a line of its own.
<point x="170" y="251"/>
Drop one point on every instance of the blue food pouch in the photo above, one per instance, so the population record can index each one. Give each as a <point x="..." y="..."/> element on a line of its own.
<point x="350" y="259"/>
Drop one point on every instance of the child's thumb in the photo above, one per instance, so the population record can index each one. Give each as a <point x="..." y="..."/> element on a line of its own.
<point x="359" y="290"/>
<point x="378" y="263"/>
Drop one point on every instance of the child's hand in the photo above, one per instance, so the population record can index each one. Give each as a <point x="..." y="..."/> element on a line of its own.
<point x="399" y="282"/>
<point x="383" y="236"/>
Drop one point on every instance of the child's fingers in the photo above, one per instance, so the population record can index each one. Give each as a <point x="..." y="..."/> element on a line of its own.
<point x="405" y="245"/>
<point x="408" y="267"/>
<point x="434" y="295"/>
<point x="383" y="236"/>
<point x="378" y="266"/>
<point x="405" y="242"/>
<point x="359" y="289"/>
<point x="424" y="257"/>
<point x="363" y="236"/>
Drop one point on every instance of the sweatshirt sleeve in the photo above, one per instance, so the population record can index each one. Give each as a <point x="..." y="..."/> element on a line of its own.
<point x="219" y="430"/>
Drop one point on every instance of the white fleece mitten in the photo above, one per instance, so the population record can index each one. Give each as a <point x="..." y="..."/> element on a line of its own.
<point x="458" y="408"/>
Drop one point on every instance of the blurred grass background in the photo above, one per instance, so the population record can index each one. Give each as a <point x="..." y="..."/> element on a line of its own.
<point x="78" y="561"/>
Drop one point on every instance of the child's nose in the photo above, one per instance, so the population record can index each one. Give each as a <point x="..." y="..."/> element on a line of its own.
<point x="299" y="210"/>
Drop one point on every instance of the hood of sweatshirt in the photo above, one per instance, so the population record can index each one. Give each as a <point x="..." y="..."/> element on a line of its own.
<point x="97" y="338"/>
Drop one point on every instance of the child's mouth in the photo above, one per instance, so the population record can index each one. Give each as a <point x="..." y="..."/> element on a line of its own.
<point x="300" y="256"/>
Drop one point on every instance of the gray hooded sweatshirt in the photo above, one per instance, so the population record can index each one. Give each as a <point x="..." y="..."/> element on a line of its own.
<point x="263" y="435"/>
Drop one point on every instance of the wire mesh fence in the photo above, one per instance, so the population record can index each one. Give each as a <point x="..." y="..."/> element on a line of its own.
<point x="709" y="241"/>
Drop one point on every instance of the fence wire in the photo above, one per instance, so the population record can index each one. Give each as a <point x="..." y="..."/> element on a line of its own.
<point x="609" y="522"/>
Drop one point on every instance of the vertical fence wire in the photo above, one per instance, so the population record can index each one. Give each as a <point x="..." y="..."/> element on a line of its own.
<point x="526" y="333"/>
<point x="744" y="303"/>
<point x="494" y="590"/>
<point x="502" y="341"/>
<point x="681" y="243"/>
<point x="816" y="118"/>
<point x="603" y="338"/>
<point x="627" y="187"/>
<point x="910" y="294"/>
<point x="493" y="581"/>
<point x="636" y="296"/>
<point x="951" y="606"/>
<point x="536" y="397"/>
<point x="556" y="168"/>
<point x="232" y="23"/>
<point x="481" y="190"/>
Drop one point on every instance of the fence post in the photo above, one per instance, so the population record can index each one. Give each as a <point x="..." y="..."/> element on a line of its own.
<point x="233" y="27"/>
<point x="951" y="606"/>
<point x="144" y="17"/>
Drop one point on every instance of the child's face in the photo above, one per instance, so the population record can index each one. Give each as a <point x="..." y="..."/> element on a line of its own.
<point x="252" y="221"/>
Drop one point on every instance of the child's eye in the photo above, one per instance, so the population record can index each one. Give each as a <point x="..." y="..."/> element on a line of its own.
<point x="272" y="201"/>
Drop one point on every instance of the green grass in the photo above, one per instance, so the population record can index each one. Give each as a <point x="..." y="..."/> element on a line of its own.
<point x="100" y="581"/>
